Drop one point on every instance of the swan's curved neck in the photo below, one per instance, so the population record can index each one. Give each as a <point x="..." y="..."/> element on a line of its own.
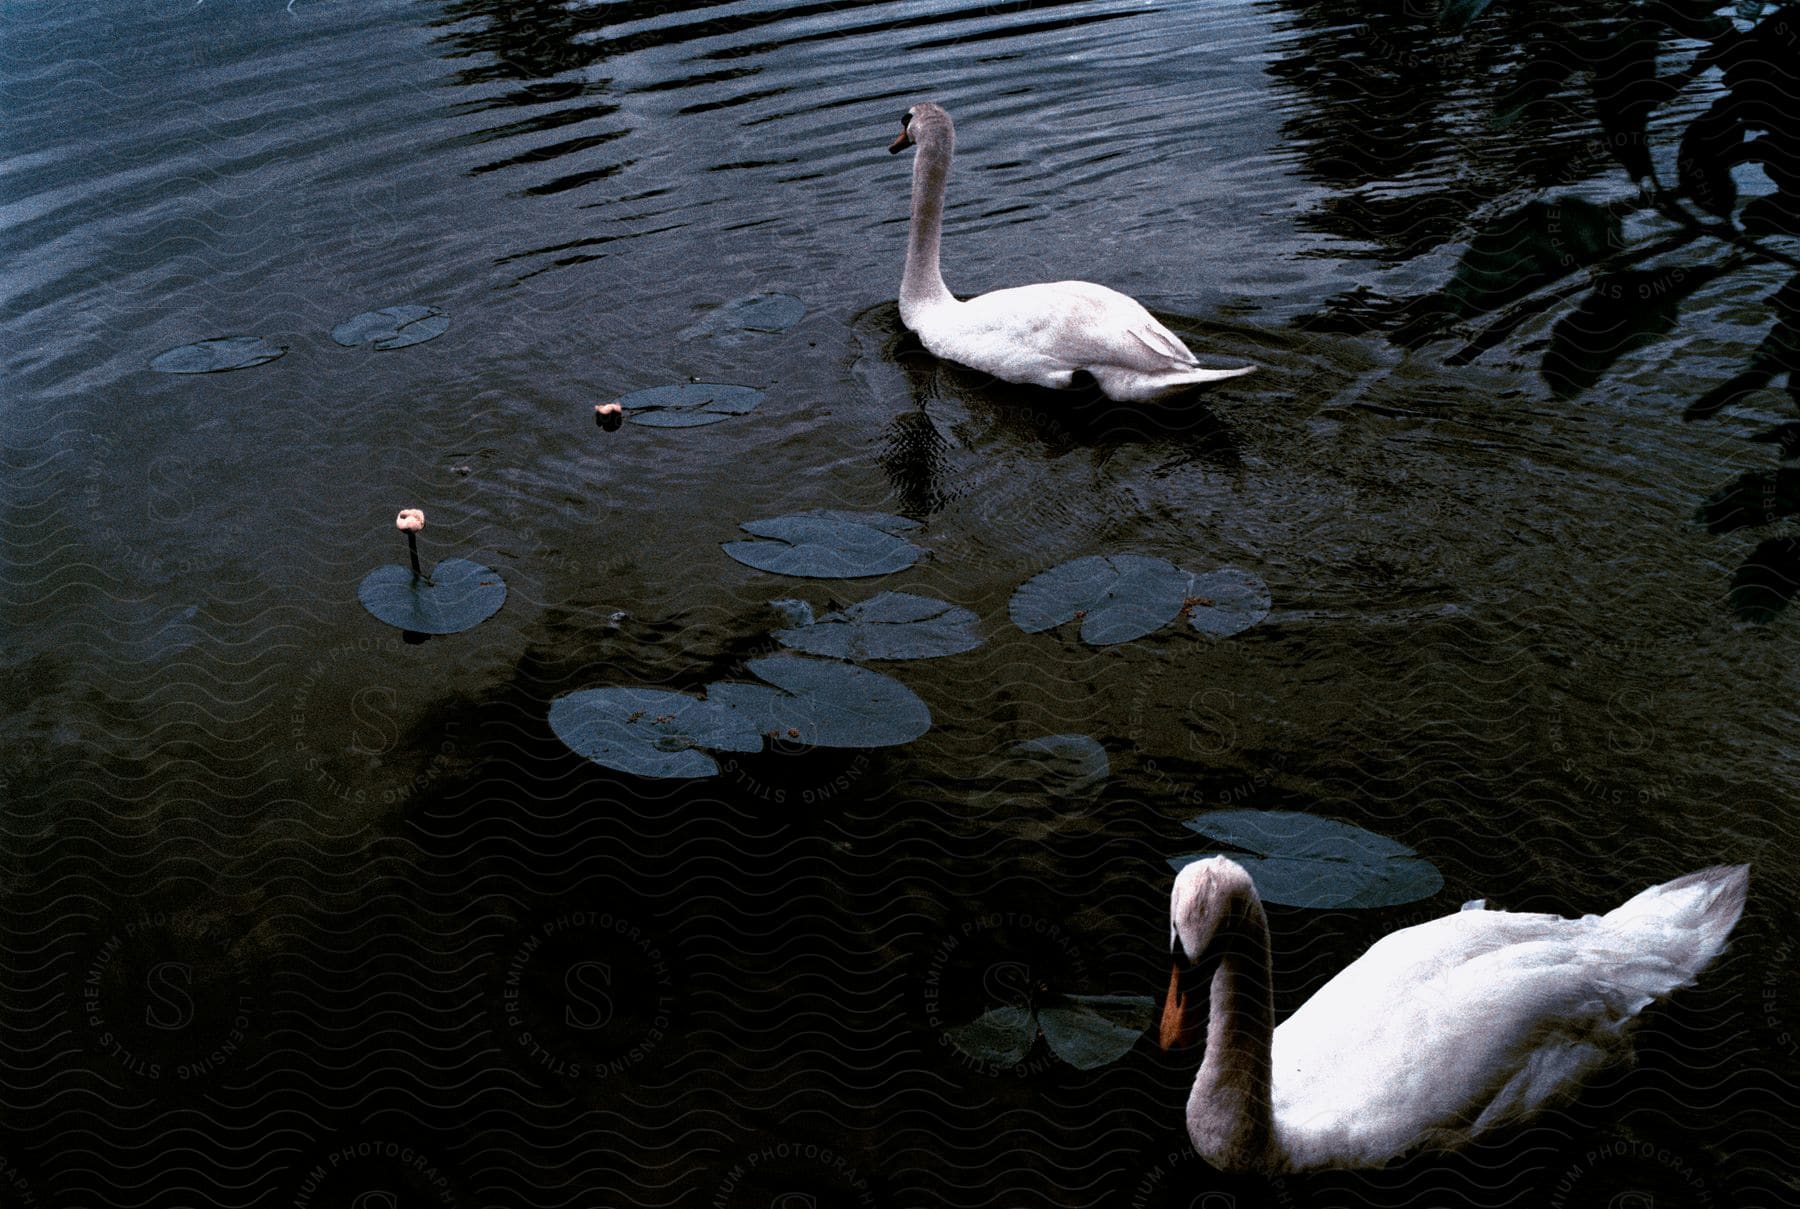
<point x="922" y="284"/>
<point x="1231" y="1112"/>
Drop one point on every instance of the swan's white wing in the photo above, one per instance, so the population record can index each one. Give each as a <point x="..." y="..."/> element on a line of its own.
<point x="1447" y="1029"/>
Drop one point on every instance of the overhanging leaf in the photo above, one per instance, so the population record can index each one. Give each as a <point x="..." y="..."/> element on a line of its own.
<point x="650" y="732"/>
<point x="459" y="594"/>
<point x="1227" y="601"/>
<point x="1119" y="597"/>
<point x="1624" y="311"/>
<point x="1089" y="1031"/>
<point x="392" y="327"/>
<point x="827" y="545"/>
<point x="690" y="404"/>
<point x="217" y="355"/>
<point x="1302" y="860"/>
<point x="890" y="625"/>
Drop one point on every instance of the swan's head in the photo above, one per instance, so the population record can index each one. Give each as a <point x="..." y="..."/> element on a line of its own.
<point x="923" y="122"/>
<point x="1213" y="913"/>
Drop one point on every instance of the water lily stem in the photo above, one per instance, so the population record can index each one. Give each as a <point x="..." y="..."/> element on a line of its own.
<point x="412" y="547"/>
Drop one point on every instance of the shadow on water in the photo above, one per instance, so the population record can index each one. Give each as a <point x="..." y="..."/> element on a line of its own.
<point x="1497" y="124"/>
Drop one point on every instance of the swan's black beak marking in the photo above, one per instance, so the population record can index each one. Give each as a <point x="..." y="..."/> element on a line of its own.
<point x="905" y="139"/>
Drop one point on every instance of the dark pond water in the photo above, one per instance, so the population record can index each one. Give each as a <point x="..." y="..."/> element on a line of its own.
<point x="299" y="912"/>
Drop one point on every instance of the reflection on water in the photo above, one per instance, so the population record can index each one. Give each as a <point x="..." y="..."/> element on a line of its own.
<point x="300" y="913"/>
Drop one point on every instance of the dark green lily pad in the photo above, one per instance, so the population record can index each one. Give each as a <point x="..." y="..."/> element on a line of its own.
<point x="1227" y="601"/>
<point x="752" y="315"/>
<point x="1086" y="1031"/>
<point x="217" y="355"/>
<point x="1089" y="1031"/>
<point x="827" y="545"/>
<point x="825" y="703"/>
<point x="1302" y="860"/>
<point x="458" y="595"/>
<point x="1063" y="765"/>
<point x="650" y="732"/>
<point x="890" y="625"/>
<point x="1118" y="597"/>
<point x="1002" y="1036"/>
<point x="392" y="327"/>
<point x="690" y="404"/>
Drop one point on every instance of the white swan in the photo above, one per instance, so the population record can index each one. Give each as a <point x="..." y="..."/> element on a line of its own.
<point x="1436" y="1034"/>
<point x="1038" y="334"/>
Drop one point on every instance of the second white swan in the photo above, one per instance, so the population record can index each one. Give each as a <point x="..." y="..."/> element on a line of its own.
<point x="1437" y="1034"/>
<point x="1041" y="335"/>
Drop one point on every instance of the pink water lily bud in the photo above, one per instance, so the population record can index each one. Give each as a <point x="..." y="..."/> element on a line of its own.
<point x="410" y="520"/>
<point x="609" y="415"/>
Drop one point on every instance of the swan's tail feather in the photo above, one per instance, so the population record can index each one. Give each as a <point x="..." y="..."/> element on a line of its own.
<point x="1198" y="375"/>
<point x="1687" y="920"/>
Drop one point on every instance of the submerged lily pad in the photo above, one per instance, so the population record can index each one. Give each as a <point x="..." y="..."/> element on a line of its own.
<point x="1086" y="1031"/>
<point x="1064" y="765"/>
<point x="459" y="594"/>
<point x="392" y="327"/>
<point x="217" y="355"/>
<point x="890" y="625"/>
<point x="1227" y="601"/>
<point x="1302" y="860"/>
<point x="690" y="404"/>
<point x="827" y="544"/>
<point x="650" y="732"/>
<point x="754" y="314"/>
<point x="1118" y="597"/>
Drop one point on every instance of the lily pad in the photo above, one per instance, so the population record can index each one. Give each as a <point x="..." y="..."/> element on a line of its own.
<point x="217" y="355"/>
<point x="1063" y="765"/>
<point x="825" y="703"/>
<point x="1002" y="1036"/>
<point x="827" y="545"/>
<point x="1086" y="1031"/>
<point x="1227" y="601"/>
<point x="1302" y="860"/>
<point x="458" y="595"/>
<point x="690" y="404"/>
<point x="1118" y="597"/>
<point x="650" y="732"/>
<point x="890" y="625"/>
<point x="392" y="327"/>
<point x="1089" y="1031"/>
<point x="754" y="314"/>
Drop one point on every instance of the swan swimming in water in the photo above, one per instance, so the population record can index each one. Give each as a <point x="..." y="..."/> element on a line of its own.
<point x="1435" y="1035"/>
<point x="1042" y="335"/>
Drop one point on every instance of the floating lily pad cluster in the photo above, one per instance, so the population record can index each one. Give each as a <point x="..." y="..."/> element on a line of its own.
<point x="1302" y="860"/>
<point x="828" y="544"/>
<point x="1121" y="597"/>
<point x="815" y="702"/>
<point x="689" y="404"/>
<point x="889" y="625"/>
<point x="1086" y="1031"/>
<point x="388" y="328"/>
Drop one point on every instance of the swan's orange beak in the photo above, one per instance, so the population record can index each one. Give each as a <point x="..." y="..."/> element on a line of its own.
<point x="901" y="143"/>
<point x="1181" y="1014"/>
